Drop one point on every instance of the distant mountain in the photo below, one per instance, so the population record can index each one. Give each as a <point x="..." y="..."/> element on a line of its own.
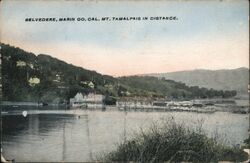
<point x="226" y="79"/>
<point x="30" y="77"/>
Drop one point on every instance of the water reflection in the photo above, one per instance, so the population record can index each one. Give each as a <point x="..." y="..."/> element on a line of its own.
<point x="89" y="140"/>
<point x="83" y="135"/>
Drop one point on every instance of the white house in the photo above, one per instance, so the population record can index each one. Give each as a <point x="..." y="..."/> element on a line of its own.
<point x="20" y="63"/>
<point x="91" y="100"/>
<point x="77" y="101"/>
<point x="33" y="81"/>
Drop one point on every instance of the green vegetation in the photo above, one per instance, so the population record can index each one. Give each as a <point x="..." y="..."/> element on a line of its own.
<point x="174" y="143"/>
<point x="53" y="80"/>
<point x="172" y="89"/>
<point x="27" y="77"/>
<point x="247" y="143"/>
<point x="223" y="79"/>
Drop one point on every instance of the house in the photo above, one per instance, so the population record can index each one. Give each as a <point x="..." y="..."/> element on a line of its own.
<point x="134" y="102"/>
<point x="20" y="63"/>
<point x="94" y="98"/>
<point x="90" y="100"/>
<point x="88" y="84"/>
<point x="33" y="81"/>
<point x="77" y="101"/>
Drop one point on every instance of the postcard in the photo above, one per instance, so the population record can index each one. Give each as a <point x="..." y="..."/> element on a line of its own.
<point x="124" y="81"/>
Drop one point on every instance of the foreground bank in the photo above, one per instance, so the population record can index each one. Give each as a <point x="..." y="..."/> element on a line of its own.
<point x="174" y="142"/>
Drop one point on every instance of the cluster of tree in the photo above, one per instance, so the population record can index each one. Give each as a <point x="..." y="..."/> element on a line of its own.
<point x="57" y="80"/>
<point x="172" y="89"/>
<point x="27" y="77"/>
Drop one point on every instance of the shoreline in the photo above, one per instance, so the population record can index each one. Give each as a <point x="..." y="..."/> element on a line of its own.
<point x="208" y="106"/>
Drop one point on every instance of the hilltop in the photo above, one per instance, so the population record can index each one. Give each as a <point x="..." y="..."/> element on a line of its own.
<point x="30" y="77"/>
<point x="227" y="79"/>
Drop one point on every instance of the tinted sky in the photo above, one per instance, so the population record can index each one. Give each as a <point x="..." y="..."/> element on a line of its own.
<point x="207" y="34"/>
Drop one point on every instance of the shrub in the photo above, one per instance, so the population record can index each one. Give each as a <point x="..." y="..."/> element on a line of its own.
<point x="174" y="143"/>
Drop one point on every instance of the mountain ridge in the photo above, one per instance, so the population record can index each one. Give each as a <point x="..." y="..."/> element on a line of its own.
<point x="225" y="79"/>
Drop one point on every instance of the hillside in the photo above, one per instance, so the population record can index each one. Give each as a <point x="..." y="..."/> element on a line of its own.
<point x="30" y="77"/>
<point x="232" y="79"/>
<point x="172" y="89"/>
<point x="27" y="77"/>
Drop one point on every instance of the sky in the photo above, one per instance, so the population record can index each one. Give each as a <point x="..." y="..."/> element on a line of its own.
<point x="207" y="35"/>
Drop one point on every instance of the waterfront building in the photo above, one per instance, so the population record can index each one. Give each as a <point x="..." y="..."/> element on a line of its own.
<point x="90" y="100"/>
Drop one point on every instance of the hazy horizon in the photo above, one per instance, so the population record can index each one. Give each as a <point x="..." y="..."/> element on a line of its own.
<point x="207" y="35"/>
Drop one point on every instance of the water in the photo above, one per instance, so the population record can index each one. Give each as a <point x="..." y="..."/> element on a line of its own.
<point x="84" y="135"/>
